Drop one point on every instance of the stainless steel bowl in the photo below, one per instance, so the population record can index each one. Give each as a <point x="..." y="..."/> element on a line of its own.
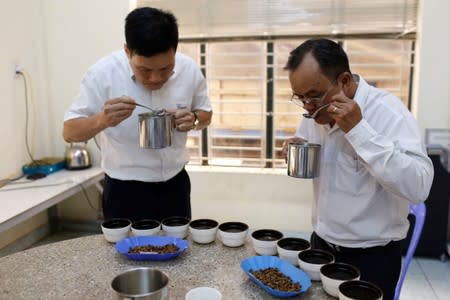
<point x="141" y="283"/>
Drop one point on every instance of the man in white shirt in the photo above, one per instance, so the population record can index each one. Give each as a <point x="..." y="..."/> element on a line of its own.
<point x="141" y="183"/>
<point x="373" y="163"/>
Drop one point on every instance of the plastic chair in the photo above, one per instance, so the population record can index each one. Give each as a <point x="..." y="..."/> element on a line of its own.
<point x="419" y="211"/>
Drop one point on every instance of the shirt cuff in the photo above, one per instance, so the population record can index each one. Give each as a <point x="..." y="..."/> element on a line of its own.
<point x="360" y="134"/>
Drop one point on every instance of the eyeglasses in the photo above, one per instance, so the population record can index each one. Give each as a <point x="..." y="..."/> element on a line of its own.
<point x="302" y="100"/>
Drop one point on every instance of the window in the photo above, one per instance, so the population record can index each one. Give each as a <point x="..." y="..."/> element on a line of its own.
<point x="194" y="141"/>
<point x="236" y="74"/>
<point x="250" y="92"/>
<point x="386" y="64"/>
<point x="243" y="45"/>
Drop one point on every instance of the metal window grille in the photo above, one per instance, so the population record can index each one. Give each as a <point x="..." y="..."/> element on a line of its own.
<point x="249" y="92"/>
<point x="242" y="46"/>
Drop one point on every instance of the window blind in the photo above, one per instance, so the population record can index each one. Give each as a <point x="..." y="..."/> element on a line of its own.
<point x="238" y="18"/>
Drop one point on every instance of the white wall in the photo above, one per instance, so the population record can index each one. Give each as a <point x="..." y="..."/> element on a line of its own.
<point x="22" y="44"/>
<point x="432" y="72"/>
<point x="260" y="198"/>
<point x="78" y="32"/>
<point x="54" y="41"/>
<point x="21" y="34"/>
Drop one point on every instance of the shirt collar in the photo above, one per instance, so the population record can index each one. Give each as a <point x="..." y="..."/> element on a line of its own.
<point x="362" y="91"/>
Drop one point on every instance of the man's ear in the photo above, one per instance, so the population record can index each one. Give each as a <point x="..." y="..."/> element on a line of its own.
<point x="127" y="50"/>
<point x="345" y="78"/>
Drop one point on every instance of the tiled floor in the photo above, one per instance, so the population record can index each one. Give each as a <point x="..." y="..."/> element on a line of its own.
<point x="427" y="278"/>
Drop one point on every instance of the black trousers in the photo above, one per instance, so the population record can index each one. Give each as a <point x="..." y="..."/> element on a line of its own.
<point x="138" y="200"/>
<point x="380" y="265"/>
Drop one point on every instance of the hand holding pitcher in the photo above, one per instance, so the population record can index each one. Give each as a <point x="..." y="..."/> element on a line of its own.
<point x="183" y="119"/>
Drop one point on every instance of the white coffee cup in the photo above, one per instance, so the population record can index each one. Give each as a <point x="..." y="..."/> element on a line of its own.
<point x="203" y="293"/>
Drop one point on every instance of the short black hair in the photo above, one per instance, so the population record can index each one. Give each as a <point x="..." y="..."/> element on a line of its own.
<point x="150" y="31"/>
<point x="330" y="56"/>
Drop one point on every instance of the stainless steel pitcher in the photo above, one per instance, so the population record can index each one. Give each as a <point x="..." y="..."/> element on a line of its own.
<point x="155" y="129"/>
<point x="303" y="160"/>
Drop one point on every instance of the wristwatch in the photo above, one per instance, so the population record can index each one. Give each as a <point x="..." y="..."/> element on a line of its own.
<point x="196" y="121"/>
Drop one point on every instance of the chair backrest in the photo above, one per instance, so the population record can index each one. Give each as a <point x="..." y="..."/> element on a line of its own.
<point x="419" y="212"/>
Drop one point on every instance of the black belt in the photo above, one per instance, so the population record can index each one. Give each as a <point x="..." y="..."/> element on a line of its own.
<point x="342" y="249"/>
<point x="152" y="182"/>
<point x="376" y="249"/>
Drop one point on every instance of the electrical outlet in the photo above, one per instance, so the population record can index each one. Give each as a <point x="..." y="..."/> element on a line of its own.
<point x="17" y="69"/>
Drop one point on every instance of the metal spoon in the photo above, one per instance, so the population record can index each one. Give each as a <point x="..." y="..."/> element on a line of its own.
<point x="158" y="112"/>
<point x="314" y="114"/>
<point x="145" y="106"/>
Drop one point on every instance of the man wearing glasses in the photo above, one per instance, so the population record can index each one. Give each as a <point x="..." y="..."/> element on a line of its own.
<point x="373" y="163"/>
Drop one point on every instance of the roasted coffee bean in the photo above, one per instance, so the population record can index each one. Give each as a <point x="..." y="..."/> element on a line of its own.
<point x="276" y="280"/>
<point x="169" y="248"/>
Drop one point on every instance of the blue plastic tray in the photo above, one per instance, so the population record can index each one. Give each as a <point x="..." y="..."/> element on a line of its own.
<point x="46" y="166"/>
<point x="256" y="263"/>
<point x="124" y="245"/>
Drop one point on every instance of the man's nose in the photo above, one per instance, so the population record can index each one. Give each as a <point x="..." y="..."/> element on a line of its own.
<point x="309" y="105"/>
<point x="154" y="76"/>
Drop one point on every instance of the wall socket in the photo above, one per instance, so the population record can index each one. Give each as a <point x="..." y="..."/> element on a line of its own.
<point x="17" y="69"/>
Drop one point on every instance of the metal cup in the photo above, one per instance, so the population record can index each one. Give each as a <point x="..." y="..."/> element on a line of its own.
<point x="303" y="160"/>
<point x="155" y="130"/>
<point x="141" y="283"/>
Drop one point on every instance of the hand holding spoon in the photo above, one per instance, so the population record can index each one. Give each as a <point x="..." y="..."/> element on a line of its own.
<point x="314" y="114"/>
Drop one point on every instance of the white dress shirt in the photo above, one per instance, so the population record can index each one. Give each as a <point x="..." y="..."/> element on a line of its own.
<point x="121" y="156"/>
<point x="370" y="175"/>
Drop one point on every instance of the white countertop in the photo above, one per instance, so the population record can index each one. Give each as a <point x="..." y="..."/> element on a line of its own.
<point x="24" y="198"/>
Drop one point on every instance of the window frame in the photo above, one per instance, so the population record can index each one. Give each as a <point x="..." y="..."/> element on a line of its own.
<point x="271" y="138"/>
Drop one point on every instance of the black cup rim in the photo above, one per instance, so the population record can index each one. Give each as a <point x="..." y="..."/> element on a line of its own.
<point x="351" y="270"/>
<point x="352" y="284"/>
<point x="310" y="253"/>
<point x="227" y="226"/>
<point x="116" y="223"/>
<point x="258" y="234"/>
<point x="301" y="244"/>
<point x="202" y="223"/>
<point x="175" y="221"/>
<point x="145" y="224"/>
